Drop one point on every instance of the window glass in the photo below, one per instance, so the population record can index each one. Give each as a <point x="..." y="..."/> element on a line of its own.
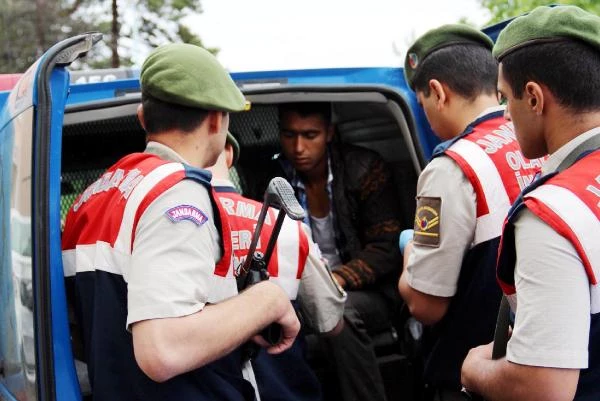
<point x="17" y="349"/>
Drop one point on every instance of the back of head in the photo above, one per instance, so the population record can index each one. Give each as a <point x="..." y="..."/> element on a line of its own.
<point x="558" y="47"/>
<point x="182" y="82"/>
<point x="456" y="55"/>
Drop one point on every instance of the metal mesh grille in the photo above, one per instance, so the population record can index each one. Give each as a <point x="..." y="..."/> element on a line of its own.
<point x="72" y="184"/>
<point x="256" y="128"/>
<point x="257" y="131"/>
<point x="90" y="148"/>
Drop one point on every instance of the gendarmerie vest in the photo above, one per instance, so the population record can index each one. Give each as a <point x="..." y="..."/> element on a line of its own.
<point x="490" y="157"/>
<point x="286" y="376"/>
<point x="569" y="202"/>
<point x="96" y="258"/>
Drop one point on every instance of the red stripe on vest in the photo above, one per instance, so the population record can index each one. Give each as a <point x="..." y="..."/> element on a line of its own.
<point x="496" y="138"/>
<point x="578" y="177"/>
<point x="106" y="207"/>
<point x="222" y="267"/>
<point x="482" y="206"/>
<point x="242" y="213"/>
<point x="561" y="227"/>
<point x="151" y="196"/>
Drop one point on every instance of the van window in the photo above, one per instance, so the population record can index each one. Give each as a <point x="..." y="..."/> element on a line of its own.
<point x="17" y="356"/>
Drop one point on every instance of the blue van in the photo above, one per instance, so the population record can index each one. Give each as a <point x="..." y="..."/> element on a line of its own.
<point x="56" y="136"/>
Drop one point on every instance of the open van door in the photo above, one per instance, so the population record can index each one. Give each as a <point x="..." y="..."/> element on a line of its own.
<point x="34" y="333"/>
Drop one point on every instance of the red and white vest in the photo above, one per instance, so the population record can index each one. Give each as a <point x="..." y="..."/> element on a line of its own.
<point x="97" y="246"/>
<point x="115" y="203"/>
<point x="489" y="155"/>
<point x="569" y="202"/>
<point x="291" y="250"/>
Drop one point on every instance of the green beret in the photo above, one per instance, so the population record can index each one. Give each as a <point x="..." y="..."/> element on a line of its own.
<point x="235" y="145"/>
<point x="546" y="24"/>
<point x="436" y="39"/>
<point x="189" y="75"/>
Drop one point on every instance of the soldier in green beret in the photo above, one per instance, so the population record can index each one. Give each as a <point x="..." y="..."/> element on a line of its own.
<point x="549" y="263"/>
<point x="148" y="250"/>
<point x="463" y="194"/>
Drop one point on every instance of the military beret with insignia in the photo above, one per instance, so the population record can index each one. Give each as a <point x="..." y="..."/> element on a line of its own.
<point x="190" y="76"/>
<point x="234" y="145"/>
<point x="547" y="24"/>
<point x="436" y="39"/>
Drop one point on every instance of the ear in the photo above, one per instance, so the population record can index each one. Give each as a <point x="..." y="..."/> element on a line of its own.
<point x="534" y="94"/>
<point x="140" y="116"/>
<point x="440" y="93"/>
<point x="229" y="155"/>
<point x="214" y="119"/>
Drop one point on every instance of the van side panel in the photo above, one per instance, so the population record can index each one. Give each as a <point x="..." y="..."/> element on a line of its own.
<point x="67" y="385"/>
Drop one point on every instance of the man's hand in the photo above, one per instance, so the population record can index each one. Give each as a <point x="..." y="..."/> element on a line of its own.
<point x="501" y="380"/>
<point x="167" y="347"/>
<point x="290" y="326"/>
<point x="340" y="280"/>
<point x="472" y="363"/>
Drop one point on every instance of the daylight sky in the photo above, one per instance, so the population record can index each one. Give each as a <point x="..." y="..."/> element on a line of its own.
<point x="291" y="34"/>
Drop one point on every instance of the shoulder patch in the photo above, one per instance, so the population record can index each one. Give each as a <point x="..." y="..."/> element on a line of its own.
<point x="187" y="212"/>
<point x="427" y="221"/>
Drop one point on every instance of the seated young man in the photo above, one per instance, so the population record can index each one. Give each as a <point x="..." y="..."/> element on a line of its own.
<point x="353" y="211"/>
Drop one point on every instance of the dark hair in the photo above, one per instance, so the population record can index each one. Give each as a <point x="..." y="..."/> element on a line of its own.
<point x="469" y="70"/>
<point x="569" y="69"/>
<point x="305" y="109"/>
<point x="162" y="116"/>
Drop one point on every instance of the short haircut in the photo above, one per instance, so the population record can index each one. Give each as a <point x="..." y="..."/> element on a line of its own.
<point x="469" y="70"/>
<point x="305" y="109"/>
<point x="161" y="116"/>
<point x="569" y="69"/>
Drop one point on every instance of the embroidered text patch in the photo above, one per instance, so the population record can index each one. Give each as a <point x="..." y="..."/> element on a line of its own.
<point x="187" y="212"/>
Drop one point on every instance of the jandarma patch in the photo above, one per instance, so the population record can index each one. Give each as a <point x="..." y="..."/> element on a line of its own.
<point x="187" y="212"/>
<point x="427" y="221"/>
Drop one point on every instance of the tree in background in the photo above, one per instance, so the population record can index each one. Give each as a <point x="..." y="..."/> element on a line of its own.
<point x="28" y="28"/>
<point x="131" y="29"/>
<point x="504" y="9"/>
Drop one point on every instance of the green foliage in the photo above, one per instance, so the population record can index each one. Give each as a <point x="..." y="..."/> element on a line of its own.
<point x="140" y="26"/>
<point x="504" y="9"/>
<point x="28" y="28"/>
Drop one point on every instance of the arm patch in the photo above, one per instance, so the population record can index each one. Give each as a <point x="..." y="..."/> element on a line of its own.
<point x="427" y="221"/>
<point x="187" y="212"/>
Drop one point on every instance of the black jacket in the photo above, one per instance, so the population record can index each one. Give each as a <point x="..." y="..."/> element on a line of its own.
<point x="367" y="216"/>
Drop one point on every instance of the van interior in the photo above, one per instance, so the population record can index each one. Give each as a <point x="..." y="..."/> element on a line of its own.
<point x="97" y="134"/>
